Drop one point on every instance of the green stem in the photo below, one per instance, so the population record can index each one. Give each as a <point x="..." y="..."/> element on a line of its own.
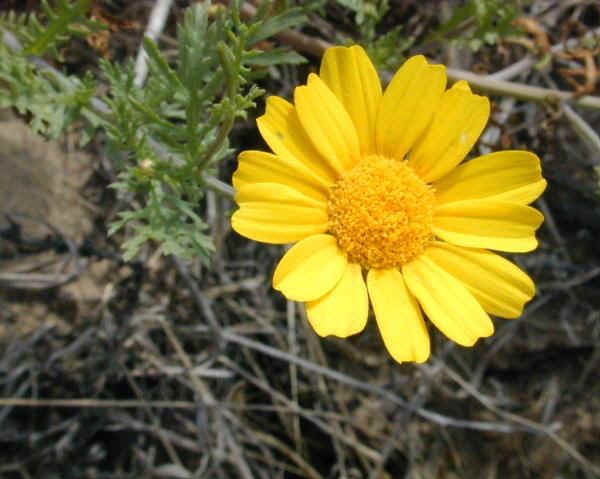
<point x="219" y="187"/>
<point x="227" y="125"/>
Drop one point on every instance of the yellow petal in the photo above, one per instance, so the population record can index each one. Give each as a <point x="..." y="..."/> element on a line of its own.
<point x="462" y="85"/>
<point x="490" y="224"/>
<point x="344" y="310"/>
<point x="398" y="316"/>
<point x="275" y="213"/>
<point x="447" y="303"/>
<point x="513" y="176"/>
<point x="262" y="167"/>
<point x="456" y="126"/>
<point x="408" y="105"/>
<point x="310" y="269"/>
<point x="327" y="124"/>
<point x="281" y="129"/>
<point x="352" y="78"/>
<point x="498" y="284"/>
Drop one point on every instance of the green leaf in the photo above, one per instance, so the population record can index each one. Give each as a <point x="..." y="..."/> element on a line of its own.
<point x="159" y="63"/>
<point x="66" y="20"/>
<point x="479" y="22"/>
<point x="279" y="56"/>
<point x="288" y="19"/>
<point x="354" y="5"/>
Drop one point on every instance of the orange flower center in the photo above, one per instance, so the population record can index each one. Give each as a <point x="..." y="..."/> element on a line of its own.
<point x="381" y="213"/>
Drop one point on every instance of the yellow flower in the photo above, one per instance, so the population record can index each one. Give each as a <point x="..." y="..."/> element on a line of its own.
<point x="369" y="186"/>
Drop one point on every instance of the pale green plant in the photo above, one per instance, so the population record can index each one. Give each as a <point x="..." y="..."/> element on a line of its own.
<point x="167" y="136"/>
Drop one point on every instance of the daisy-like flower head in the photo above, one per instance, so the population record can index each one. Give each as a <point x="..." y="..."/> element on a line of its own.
<point x="370" y="187"/>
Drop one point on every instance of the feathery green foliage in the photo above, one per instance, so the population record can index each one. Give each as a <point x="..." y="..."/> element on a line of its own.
<point x="52" y="101"/>
<point x="55" y="26"/>
<point x="167" y="135"/>
<point x="175" y="129"/>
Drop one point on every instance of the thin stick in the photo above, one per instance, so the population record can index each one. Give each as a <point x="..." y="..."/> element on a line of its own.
<point x="584" y="131"/>
<point x="363" y="386"/>
<point x="96" y="403"/>
<point x="293" y="347"/>
<point x="202" y="391"/>
<point x="156" y="24"/>
<point x="202" y="302"/>
<point x="529" y="60"/>
<point x="559" y="441"/>
<point x="524" y="92"/>
<point x="172" y="453"/>
<point x="219" y="186"/>
<point x="309" y="415"/>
